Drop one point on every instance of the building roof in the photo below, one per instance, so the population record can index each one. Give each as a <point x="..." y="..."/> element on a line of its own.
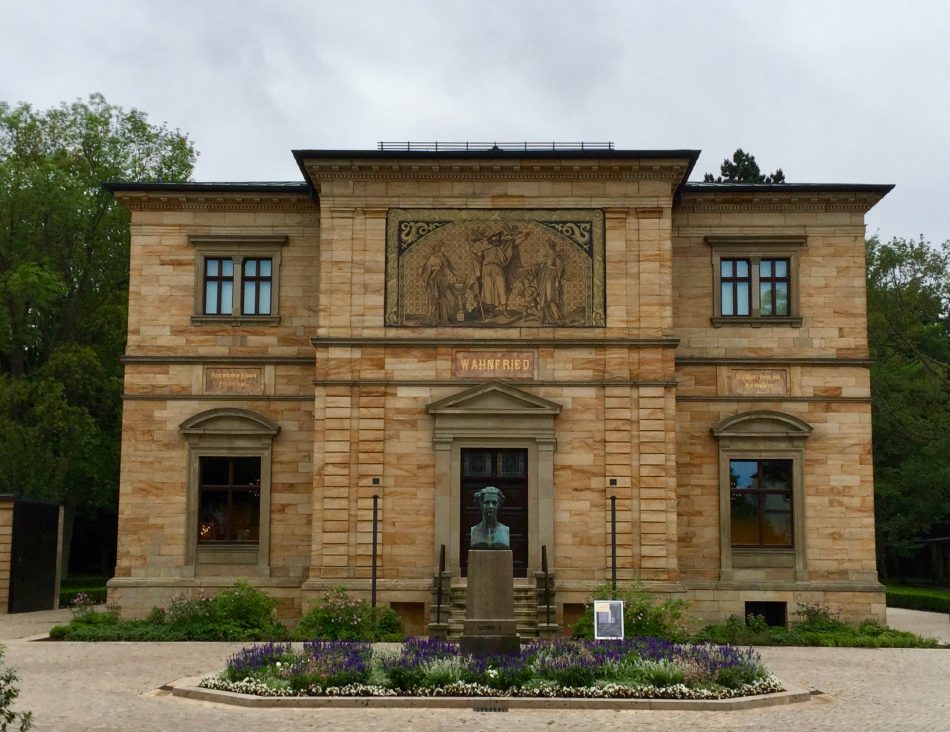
<point x="880" y="189"/>
<point x="216" y="187"/>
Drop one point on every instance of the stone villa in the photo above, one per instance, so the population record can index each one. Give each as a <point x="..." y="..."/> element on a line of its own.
<point x="679" y="370"/>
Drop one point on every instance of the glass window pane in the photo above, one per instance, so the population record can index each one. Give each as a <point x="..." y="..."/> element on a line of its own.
<point x="744" y="519"/>
<point x="211" y="298"/>
<point x="211" y="267"/>
<point x="227" y="268"/>
<point x="511" y="463"/>
<point x="247" y="471"/>
<point x="725" y="267"/>
<point x="742" y="474"/>
<point x="742" y="268"/>
<point x="213" y="516"/>
<point x="781" y="298"/>
<point x="765" y="299"/>
<point x="728" y="306"/>
<point x="226" y="288"/>
<point x="214" y="470"/>
<point x="264" y="308"/>
<point x="248" y="305"/>
<point x="742" y="298"/>
<point x="765" y="268"/>
<point x="245" y="515"/>
<point x="781" y="268"/>
<point x="776" y="474"/>
<point x="250" y="267"/>
<point x="265" y="267"/>
<point x="777" y="520"/>
<point x="476" y="463"/>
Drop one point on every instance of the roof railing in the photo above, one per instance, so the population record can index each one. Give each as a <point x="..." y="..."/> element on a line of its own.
<point x="491" y="146"/>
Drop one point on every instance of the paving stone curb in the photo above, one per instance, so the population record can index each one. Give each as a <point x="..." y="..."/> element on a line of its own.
<point x="188" y="689"/>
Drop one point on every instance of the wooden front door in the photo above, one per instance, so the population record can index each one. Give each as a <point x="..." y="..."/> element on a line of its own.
<point x="507" y="470"/>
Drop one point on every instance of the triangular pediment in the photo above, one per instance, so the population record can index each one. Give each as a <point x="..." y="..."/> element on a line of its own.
<point x="494" y="397"/>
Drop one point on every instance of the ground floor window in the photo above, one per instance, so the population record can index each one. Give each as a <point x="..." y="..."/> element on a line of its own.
<point x="229" y="500"/>
<point x="761" y="503"/>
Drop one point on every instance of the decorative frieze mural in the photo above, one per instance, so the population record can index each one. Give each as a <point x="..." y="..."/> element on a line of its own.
<point x="495" y="268"/>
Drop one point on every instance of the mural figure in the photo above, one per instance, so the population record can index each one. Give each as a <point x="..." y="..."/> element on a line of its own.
<point x="550" y="280"/>
<point x="438" y="276"/>
<point x="489" y="534"/>
<point x="498" y="263"/>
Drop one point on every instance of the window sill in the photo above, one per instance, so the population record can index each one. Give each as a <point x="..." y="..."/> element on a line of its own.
<point x="235" y="320"/>
<point x="243" y="553"/>
<point x="745" y="557"/>
<point x="759" y="322"/>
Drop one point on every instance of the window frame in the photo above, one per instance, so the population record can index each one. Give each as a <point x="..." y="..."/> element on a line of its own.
<point x="762" y="435"/>
<point x="755" y="250"/>
<point x="230" y="490"/>
<point x="238" y="249"/>
<point x="227" y="432"/>
<point x="759" y="492"/>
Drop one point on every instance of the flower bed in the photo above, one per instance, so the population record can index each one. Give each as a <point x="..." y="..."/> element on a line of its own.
<point x="646" y="668"/>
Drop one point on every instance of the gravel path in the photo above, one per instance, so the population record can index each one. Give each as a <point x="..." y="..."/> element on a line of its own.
<point x="115" y="686"/>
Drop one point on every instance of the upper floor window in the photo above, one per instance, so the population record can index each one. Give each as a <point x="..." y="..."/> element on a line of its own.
<point x="257" y="287"/>
<point x="238" y="278"/>
<point x="219" y="285"/>
<point x="773" y="287"/>
<point x="736" y="287"/>
<point x="755" y="280"/>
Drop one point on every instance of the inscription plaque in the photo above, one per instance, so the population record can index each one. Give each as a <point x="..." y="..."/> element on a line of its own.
<point x="225" y="380"/>
<point x="758" y="382"/>
<point x="494" y="364"/>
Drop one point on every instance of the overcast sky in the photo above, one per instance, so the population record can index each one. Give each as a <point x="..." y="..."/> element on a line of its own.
<point x="831" y="92"/>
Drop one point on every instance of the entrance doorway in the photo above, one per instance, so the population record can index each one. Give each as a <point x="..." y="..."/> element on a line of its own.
<point x="506" y="469"/>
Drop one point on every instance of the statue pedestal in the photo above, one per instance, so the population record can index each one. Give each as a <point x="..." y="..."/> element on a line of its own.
<point x="490" y="627"/>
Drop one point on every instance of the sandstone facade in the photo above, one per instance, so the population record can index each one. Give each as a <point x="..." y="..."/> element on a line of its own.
<point x="647" y="408"/>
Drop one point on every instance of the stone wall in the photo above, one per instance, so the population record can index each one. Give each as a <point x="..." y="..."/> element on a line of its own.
<point x="631" y="403"/>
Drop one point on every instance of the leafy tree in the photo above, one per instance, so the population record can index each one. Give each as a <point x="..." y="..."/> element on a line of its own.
<point x="64" y="248"/>
<point x="909" y="337"/>
<point x="743" y="169"/>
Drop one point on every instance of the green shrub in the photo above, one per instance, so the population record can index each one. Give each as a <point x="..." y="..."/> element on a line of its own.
<point x="661" y="673"/>
<point x="240" y="612"/>
<point x="66" y="597"/>
<point x="443" y="671"/>
<point x="9" y="719"/>
<point x="641" y="615"/>
<point x="818" y="625"/>
<point x="919" y="598"/>
<point x="337" y="616"/>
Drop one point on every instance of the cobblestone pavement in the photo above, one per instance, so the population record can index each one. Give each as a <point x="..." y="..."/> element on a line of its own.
<point x="114" y="686"/>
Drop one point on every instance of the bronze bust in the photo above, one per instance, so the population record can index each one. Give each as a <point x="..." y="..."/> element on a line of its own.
<point x="489" y="534"/>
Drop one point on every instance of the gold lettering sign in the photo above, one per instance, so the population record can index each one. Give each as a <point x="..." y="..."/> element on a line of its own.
<point x="221" y="380"/>
<point x="494" y="364"/>
<point x="758" y="382"/>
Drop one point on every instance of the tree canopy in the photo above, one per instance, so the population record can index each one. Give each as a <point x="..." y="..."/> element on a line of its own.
<point x="743" y="169"/>
<point x="64" y="248"/>
<point x="909" y="337"/>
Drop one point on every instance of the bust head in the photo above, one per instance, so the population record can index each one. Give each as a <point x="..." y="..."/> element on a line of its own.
<point x="490" y="499"/>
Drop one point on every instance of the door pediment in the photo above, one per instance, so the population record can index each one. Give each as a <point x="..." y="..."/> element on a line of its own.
<point x="495" y="397"/>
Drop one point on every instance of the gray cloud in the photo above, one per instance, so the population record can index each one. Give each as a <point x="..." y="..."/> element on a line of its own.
<point x="836" y="91"/>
